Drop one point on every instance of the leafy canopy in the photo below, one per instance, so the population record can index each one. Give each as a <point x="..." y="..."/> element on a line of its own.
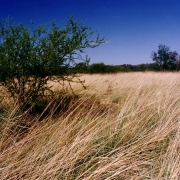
<point x="30" y="57"/>
<point x="164" y="57"/>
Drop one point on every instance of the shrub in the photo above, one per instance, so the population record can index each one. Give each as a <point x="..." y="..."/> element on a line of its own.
<point x="30" y="57"/>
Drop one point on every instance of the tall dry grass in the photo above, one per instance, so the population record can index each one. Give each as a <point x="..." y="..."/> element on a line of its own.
<point x="123" y="126"/>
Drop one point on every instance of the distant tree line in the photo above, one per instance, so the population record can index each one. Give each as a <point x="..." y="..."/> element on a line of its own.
<point x="103" y="68"/>
<point x="163" y="60"/>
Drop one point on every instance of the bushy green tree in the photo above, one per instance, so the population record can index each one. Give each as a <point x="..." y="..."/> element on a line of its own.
<point x="97" y="68"/>
<point x="82" y="67"/>
<point x="164" y="57"/>
<point x="30" y="57"/>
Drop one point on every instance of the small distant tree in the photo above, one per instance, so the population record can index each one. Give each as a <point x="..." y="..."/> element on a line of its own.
<point x="97" y="68"/>
<point x="164" y="57"/>
<point x="30" y="57"/>
<point x="82" y="67"/>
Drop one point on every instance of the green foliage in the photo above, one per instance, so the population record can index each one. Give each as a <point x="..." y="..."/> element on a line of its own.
<point x="97" y="68"/>
<point x="102" y="68"/>
<point x="81" y="67"/>
<point x="165" y="58"/>
<point x="30" y="57"/>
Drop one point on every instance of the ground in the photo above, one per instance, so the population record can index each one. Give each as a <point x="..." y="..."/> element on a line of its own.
<point x="122" y="126"/>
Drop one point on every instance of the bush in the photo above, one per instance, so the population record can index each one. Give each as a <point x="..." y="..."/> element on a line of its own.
<point x="30" y="57"/>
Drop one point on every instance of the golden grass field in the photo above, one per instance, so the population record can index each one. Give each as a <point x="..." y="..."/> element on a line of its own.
<point x="124" y="126"/>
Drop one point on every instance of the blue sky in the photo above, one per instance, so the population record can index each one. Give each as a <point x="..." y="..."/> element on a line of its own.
<point x="132" y="28"/>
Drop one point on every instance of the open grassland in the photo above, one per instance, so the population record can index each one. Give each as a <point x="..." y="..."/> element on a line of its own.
<point x="122" y="127"/>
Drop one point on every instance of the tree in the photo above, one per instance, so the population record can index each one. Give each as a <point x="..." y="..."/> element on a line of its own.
<point x="97" y="68"/>
<point x="81" y="67"/>
<point x="164" y="57"/>
<point x="30" y="57"/>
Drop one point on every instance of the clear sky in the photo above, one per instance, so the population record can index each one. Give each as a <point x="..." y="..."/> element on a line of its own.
<point x="132" y="28"/>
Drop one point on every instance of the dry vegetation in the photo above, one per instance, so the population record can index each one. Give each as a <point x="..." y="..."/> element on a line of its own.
<point x="122" y="127"/>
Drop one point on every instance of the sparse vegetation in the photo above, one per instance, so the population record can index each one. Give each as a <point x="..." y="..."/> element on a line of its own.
<point x="124" y="126"/>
